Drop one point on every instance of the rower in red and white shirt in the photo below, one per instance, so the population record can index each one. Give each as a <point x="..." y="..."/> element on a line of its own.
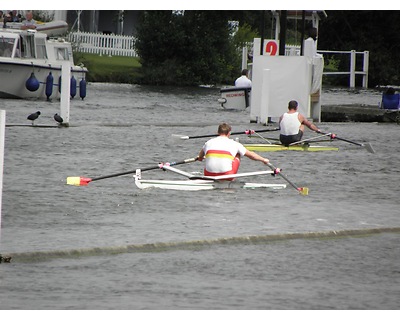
<point x="223" y="154"/>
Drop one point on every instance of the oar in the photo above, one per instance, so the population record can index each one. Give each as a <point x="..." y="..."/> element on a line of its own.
<point x="366" y="145"/>
<point x="301" y="190"/>
<point x="248" y="132"/>
<point x="82" y="181"/>
<point x="309" y="139"/>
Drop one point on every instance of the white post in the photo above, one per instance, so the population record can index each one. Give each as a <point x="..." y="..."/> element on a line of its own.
<point x="65" y="92"/>
<point x="352" y="68"/>
<point x="265" y="89"/>
<point x="365" y="69"/>
<point x="2" y="139"/>
<point x="244" y="58"/>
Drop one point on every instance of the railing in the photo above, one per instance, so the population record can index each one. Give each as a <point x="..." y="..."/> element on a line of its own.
<point x="294" y="50"/>
<point x="352" y="72"/>
<point x="98" y="43"/>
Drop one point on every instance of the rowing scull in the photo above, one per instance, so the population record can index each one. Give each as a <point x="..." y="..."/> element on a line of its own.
<point x="197" y="183"/>
<point x="279" y="147"/>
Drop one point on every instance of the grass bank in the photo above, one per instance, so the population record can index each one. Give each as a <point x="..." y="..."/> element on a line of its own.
<point x="106" y="68"/>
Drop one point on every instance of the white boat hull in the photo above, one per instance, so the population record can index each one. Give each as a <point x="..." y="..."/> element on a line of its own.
<point x="235" y="98"/>
<point x="13" y="86"/>
<point x="198" y="185"/>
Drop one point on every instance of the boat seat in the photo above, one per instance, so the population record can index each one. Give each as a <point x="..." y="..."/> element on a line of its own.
<point x="391" y="101"/>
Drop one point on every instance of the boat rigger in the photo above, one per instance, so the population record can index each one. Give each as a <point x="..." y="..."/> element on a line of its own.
<point x="197" y="182"/>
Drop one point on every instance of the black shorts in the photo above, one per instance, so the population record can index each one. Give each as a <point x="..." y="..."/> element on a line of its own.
<point x="286" y="140"/>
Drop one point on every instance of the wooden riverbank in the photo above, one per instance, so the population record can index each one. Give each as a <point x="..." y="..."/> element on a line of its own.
<point x="358" y="113"/>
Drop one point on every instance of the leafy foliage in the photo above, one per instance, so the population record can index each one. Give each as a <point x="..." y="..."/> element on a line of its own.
<point x="192" y="48"/>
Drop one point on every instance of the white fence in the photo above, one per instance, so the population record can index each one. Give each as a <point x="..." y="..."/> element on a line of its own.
<point x="352" y="72"/>
<point x="295" y="50"/>
<point x="98" y="43"/>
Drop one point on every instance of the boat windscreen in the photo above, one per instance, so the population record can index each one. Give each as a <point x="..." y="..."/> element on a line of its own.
<point x="6" y="46"/>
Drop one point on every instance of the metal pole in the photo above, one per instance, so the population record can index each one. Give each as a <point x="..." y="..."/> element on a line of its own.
<point x="2" y="139"/>
<point x="262" y="32"/>
<point x="282" y="35"/>
<point x="244" y="58"/>
<point x="303" y="27"/>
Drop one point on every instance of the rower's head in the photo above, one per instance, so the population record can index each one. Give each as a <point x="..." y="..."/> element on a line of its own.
<point x="224" y="129"/>
<point x="293" y="105"/>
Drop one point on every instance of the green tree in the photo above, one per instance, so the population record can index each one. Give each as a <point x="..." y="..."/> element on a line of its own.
<point x="244" y="35"/>
<point x="189" y="48"/>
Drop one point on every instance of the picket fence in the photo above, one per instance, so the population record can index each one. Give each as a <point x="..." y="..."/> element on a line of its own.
<point x="103" y="44"/>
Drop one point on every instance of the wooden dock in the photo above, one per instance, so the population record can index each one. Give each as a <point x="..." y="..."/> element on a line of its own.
<point x="358" y="113"/>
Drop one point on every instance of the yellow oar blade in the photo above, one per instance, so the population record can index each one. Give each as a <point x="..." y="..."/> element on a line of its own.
<point x="303" y="191"/>
<point x="78" y="181"/>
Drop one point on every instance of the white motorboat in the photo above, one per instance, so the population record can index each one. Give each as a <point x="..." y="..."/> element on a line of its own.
<point x="236" y="98"/>
<point x="30" y="65"/>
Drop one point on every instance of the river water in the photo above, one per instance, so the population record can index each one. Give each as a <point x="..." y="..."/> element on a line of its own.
<point x="118" y="128"/>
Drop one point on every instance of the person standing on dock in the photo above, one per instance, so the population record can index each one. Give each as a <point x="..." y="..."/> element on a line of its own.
<point x="223" y="154"/>
<point x="291" y="125"/>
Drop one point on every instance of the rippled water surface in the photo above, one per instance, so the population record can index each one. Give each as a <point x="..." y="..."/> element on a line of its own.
<point x="119" y="128"/>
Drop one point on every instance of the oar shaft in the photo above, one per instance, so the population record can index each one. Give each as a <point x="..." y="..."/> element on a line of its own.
<point x="306" y="140"/>
<point x="357" y="144"/>
<point x="284" y="177"/>
<point x="333" y="136"/>
<point x="144" y="169"/>
<point x="367" y="146"/>
<point x="232" y="133"/>
<point x="124" y="173"/>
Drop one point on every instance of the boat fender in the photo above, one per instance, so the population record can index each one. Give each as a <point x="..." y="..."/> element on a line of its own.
<point x="73" y="87"/>
<point x="82" y="88"/>
<point x="32" y="84"/>
<point x="49" y="85"/>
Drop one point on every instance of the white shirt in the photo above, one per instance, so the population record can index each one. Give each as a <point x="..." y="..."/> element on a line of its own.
<point x="243" y="81"/>
<point x="220" y="152"/>
<point x="290" y="124"/>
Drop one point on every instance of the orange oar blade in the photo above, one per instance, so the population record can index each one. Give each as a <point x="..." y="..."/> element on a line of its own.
<point x="78" y="181"/>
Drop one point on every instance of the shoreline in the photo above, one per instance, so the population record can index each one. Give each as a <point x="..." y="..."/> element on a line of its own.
<point x="358" y="113"/>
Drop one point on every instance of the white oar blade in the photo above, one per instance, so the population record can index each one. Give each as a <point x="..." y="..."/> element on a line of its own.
<point x="178" y="136"/>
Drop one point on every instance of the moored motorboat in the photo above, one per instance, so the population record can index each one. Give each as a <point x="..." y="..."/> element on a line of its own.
<point x="236" y="98"/>
<point x="31" y="64"/>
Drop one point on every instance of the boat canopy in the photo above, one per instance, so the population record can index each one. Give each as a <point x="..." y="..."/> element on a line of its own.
<point x="30" y="44"/>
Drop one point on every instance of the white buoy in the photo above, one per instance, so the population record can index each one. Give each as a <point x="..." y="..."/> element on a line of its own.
<point x="65" y="92"/>
<point x="2" y="139"/>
